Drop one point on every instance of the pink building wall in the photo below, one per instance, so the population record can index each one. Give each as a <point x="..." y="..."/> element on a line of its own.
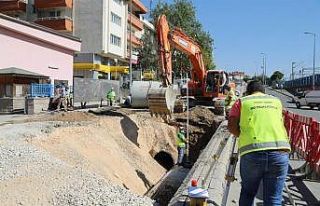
<point x="36" y="50"/>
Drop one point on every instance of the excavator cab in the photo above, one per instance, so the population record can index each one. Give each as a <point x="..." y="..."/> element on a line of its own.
<point x="215" y="82"/>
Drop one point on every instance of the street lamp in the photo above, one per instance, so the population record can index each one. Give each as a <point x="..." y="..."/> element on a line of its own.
<point x="314" y="58"/>
<point x="264" y="68"/>
<point x="130" y="48"/>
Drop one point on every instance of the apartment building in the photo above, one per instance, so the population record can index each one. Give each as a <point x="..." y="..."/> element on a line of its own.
<point x="102" y="25"/>
<point x="109" y="21"/>
<point x="54" y="14"/>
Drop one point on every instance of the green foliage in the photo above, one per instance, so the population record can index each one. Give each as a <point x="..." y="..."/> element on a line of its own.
<point x="182" y="13"/>
<point x="276" y="76"/>
<point x="148" y="57"/>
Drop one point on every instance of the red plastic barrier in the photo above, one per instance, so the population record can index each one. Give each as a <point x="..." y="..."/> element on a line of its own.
<point x="304" y="134"/>
<point x="288" y="122"/>
<point x="301" y="134"/>
<point x="314" y="147"/>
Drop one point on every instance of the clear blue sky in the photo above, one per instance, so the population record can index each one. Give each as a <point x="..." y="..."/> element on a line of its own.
<point x="242" y="29"/>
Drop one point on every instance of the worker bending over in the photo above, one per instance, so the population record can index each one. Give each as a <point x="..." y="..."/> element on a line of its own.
<point x="263" y="145"/>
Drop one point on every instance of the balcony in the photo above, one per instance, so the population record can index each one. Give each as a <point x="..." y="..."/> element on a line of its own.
<point x="56" y="23"/>
<point x="139" y="5"/>
<point x="12" y="6"/>
<point x="45" y="4"/>
<point x="135" y="41"/>
<point x="135" y="22"/>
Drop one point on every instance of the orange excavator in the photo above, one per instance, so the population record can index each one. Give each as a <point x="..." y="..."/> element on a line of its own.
<point x="205" y="85"/>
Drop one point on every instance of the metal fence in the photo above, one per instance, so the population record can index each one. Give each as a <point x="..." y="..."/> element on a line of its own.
<point x="302" y="82"/>
<point x="41" y="90"/>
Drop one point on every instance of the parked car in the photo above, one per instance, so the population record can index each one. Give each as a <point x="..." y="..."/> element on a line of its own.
<point x="310" y="98"/>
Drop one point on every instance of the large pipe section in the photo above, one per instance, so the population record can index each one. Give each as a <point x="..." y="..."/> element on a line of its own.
<point x="139" y="92"/>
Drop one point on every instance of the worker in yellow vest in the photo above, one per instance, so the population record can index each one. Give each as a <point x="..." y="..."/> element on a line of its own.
<point x="263" y="144"/>
<point x="181" y="145"/>
<point x="111" y="95"/>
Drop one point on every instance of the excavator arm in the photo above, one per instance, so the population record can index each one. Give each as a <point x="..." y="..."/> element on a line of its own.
<point x="179" y="40"/>
<point x="161" y="101"/>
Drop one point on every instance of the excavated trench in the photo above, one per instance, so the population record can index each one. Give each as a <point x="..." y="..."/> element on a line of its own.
<point x="202" y="125"/>
<point x="161" y="147"/>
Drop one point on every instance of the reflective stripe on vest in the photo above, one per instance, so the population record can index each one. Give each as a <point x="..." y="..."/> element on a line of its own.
<point x="262" y="146"/>
<point x="261" y="124"/>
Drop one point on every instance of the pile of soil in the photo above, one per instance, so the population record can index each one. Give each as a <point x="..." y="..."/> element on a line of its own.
<point x="202" y="125"/>
<point x="118" y="145"/>
<point x="63" y="116"/>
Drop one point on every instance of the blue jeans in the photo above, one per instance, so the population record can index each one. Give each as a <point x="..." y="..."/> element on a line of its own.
<point x="269" y="166"/>
<point x="180" y="155"/>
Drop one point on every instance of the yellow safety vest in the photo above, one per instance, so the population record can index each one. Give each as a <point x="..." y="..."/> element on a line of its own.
<point x="111" y="95"/>
<point x="181" y="140"/>
<point x="261" y="124"/>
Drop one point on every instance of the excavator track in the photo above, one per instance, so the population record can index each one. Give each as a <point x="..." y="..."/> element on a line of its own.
<point x="161" y="102"/>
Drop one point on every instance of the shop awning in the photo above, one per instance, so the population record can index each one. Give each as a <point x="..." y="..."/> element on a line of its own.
<point x="101" y="68"/>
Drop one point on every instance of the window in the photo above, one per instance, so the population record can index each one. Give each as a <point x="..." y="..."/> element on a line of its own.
<point x="34" y="10"/>
<point x="52" y="14"/>
<point x="115" y="40"/>
<point x="117" y="1"/>
<point x="115" y="19"/>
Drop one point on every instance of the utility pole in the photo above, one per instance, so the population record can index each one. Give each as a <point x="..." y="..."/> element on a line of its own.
<point x="150" y="9"/>
<point x="130" y="50"/>
<point x="292" y="70"/>
<point x="264" y="70"/>
<point x="314" y="59"/>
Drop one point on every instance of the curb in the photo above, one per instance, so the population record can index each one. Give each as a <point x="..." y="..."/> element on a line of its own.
<point x="210" y="169"/>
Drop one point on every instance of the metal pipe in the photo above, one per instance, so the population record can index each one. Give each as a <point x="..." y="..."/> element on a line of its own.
<point x="188" y="113"/>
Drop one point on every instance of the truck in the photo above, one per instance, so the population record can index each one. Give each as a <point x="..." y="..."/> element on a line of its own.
<point x="309" y="98"/>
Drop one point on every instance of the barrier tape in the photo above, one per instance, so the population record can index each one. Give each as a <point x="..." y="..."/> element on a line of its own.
<point x="304" y="134"/>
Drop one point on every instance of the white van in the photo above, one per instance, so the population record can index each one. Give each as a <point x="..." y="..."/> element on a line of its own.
<point x="309" y="98"/>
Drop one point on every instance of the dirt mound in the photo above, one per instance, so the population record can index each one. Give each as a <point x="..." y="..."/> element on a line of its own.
<point x="196" y="115"/>
<point x="120" y="148"/>
<point x="119" y="145"/>
<point x="64" y="117"/>
<point x="203" y="124"/>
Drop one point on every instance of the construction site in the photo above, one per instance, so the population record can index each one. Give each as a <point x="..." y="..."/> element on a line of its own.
<point x="123" y="156"/>
<point x="85" y="124"/>
<point x="100" y="157"/>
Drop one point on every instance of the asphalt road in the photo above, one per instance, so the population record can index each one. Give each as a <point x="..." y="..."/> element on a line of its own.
<point x="286" y="101"/>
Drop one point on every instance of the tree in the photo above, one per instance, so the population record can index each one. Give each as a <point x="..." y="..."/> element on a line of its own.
<point x="148" y="57"/>
<point x="182" y="13"/>
<point x="276" y="76"/>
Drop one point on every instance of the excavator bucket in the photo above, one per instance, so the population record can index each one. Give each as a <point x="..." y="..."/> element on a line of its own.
<point x="161" y="102"/>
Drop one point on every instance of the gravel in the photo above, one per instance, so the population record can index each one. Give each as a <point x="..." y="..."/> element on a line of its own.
<point x="31" y="176"/>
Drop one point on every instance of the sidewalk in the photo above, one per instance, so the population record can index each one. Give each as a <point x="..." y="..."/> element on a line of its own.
<point x="303" y="192"/>
<point x="8" y="118"/>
